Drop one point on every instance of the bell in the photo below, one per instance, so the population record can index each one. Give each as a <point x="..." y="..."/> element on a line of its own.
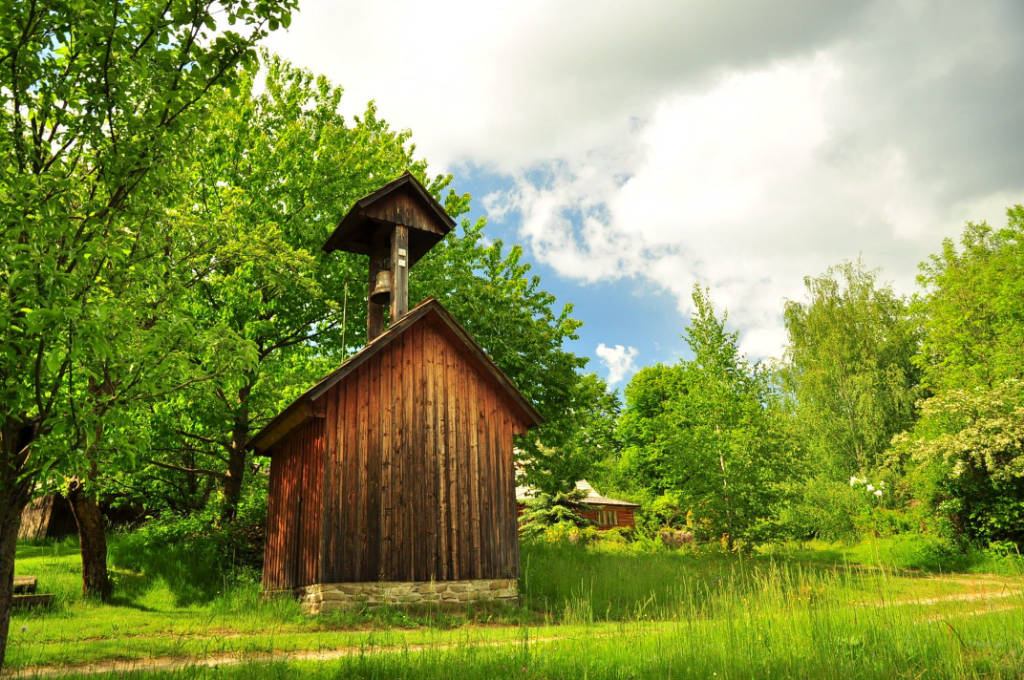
<point x="381" y="294"/>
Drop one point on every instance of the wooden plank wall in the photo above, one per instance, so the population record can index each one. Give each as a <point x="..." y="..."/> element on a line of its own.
<point x="292" y="555"/>
<point x="624" y="516"/>
<point x="419" y="472"/>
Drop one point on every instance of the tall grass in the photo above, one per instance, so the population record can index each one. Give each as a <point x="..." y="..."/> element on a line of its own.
<point x="786" y="625"/>
<point x="612" y="614"/>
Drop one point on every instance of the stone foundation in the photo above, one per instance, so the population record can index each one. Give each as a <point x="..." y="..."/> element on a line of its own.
<point x="327" y="597"/>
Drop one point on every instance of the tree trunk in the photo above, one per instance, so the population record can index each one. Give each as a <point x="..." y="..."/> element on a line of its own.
<point x="233" y="482"/>
<point x="15" y="494"/>
<point x="10" y="522"/>
<point x="92" y="539"/>
<point x="236" y="454"/>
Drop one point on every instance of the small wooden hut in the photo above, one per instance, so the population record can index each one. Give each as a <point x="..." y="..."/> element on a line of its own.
<point x="392" y="479"/>
<point x="606" y="513"/>
<point x="48" y="516"/>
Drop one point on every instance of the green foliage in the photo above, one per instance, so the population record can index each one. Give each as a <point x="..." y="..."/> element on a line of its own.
<point x="964" y="457"/>
<point x="850" y="368"/>
<point x="824" y="509"/>
<point x="708" y="432"/>
<point x="587" y="432"/>
<point x="273" y="167"/>
<point x="95" y="99"/>
<point x="546" y="511"/>
<point x="973" y="307"/>
<point x="199" y="556"/>
<point x="965" y="460"/>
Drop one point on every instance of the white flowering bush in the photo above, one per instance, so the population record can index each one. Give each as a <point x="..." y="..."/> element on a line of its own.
<point x="873" y="491"/>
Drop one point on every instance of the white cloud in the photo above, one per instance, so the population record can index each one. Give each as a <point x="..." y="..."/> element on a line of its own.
<point x="620" y="361"/>
<point x="742" y="145"/>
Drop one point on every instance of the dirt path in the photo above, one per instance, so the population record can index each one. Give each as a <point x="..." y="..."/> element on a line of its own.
<point x="239" y="658"/>
<point x="1007" y="589"/>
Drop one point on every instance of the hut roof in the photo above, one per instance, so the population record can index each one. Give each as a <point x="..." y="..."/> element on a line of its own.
<point x="592" y="496"/>
<point x="302" y="409"/>
<point x="402" y="201"/>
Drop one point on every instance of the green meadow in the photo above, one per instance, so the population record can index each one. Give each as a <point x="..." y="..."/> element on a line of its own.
<point x="876" y="610"/>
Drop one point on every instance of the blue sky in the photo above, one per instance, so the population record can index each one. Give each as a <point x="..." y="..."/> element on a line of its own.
<point x="624" y="312"/>
<point x="744" y="145"/>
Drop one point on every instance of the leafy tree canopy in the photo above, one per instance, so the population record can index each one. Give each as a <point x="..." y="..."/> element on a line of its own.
<point x="850" y="368"/>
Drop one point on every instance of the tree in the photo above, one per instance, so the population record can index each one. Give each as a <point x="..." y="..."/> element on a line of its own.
<point x="545" y="510"/>
<point x="271" y="175"/>
<point x="93" y="99"/>
<point x="706" y="431"/>
<point x="972" y="309"/>
<point x="963" y="457"/>
<point x="850" y="368"/>
<point x="589" y="438"/>
<point x="965" y="460"/>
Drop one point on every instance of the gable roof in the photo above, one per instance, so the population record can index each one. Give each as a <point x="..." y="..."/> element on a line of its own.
<point x="354" y="232"/>
<point x="302" y="409"/>
<point x="592" y="496"/>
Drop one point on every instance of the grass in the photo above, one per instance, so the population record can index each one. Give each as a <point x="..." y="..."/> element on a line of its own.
<point x="870" y="611"/>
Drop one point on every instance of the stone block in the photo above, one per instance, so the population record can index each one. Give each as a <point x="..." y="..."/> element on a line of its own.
<point x="434" y="587"/>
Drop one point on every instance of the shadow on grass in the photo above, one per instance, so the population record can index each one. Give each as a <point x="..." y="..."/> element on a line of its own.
<point x="193" y="573"/>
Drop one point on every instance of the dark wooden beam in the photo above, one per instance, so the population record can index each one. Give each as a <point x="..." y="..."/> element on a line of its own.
<point x="399" y="273"/>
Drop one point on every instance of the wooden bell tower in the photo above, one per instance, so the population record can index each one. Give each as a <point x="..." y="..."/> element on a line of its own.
<point x="395" y="225"/>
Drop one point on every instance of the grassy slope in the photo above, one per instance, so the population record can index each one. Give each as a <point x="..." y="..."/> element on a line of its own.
<point x="772" y="614"/>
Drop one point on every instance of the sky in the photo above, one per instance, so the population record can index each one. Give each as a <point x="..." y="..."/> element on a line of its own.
<point x="637" y="148"/>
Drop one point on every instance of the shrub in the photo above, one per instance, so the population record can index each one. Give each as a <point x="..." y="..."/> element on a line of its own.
<point x="199" y="556"/>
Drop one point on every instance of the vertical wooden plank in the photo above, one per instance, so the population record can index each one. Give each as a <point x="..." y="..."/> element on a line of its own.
<point x="303" y="525"/>
<point x="510" y="545"/>
<point x="363" y="379"/>
<point x="419" y="481"/>
<point x="436" y="570"/>
<point x="491" y="487"/>
<point x="326" y="505"/>
<point x="318" y="506"/>
<point x="468" y="457"/>
<point x="351" y="467"/>
<point x="294" y="508"/>
<point x="288" y="534"/>
<point x="398" y="463"/>
<point x="455" y="484"/>
<point x="371" y="493"/>
<point x="505" y="490"/>
<point x="410" y="541"/>
<point x="486" y="484"/>
<point x="441" y="447"/>
<point x="477" y="448"/>
<point x="387" y="455"/>
<point x="271" y="578"/>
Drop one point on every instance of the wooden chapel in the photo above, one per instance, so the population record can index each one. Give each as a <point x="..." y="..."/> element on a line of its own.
<point x="392" y="479"/>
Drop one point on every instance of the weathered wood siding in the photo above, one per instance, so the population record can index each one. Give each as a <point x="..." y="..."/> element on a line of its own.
<point x="294" y="513"/>
<point x="47" y="517"/>
<point x="623" y="516"/>
<point x="417" y="472"/>
<point x="403" y="207"/>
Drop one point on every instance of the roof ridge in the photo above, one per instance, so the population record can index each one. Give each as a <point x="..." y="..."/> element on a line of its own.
<point x="293" y="415"/>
